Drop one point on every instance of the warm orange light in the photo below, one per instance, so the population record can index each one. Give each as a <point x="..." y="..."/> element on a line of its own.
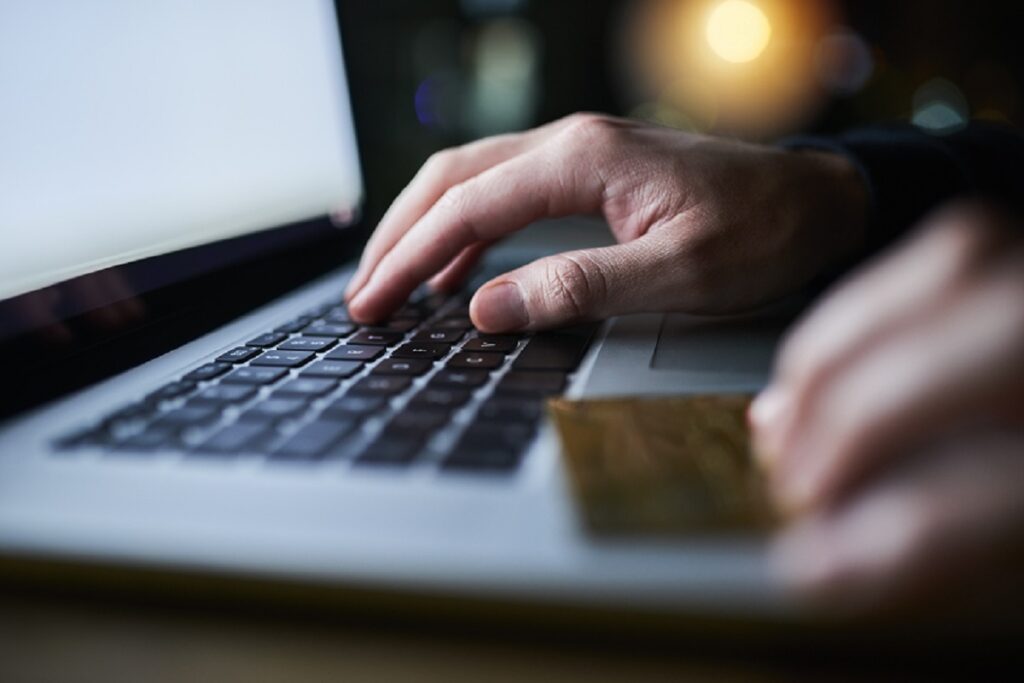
<point x="740" y="67"/>
<point x="738" y="31"/>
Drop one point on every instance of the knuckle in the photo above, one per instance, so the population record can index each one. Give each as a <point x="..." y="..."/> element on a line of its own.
<point x="971" y="236"/>
<point x="588" y="129"/>
<point x="440" y="161"/>
<point x="453" y="205"/>
<point x="570" y="287"/>
<point x="453" y="200"/>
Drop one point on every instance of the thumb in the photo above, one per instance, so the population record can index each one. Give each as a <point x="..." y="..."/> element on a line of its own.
<point x="569" y="287"/>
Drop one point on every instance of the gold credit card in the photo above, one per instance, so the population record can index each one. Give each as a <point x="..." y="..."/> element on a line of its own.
<point x="663" y="466"/>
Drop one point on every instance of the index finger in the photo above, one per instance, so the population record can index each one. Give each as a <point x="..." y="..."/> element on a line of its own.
<point x="441" y="171"/>
<point x="499" y="201"/>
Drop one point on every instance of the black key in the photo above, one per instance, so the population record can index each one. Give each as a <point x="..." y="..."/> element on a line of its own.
<point x="187" y="416"/>
<point x="428" y="350"/>
<point x="553" y="351"/>
<point x="320" y="309"/>
<point x="457" y="312"/>
<point x="273" y="409"/>
<point x="377" y="338"/>
<point x="171" y="391"/>
<point x="254" y="375"/>
<point x="402" y="326"/>
<point x="320" y="328"/>
<point x="381" y="385"/>
<point x="419" y="423"/>
<point x="462" y="324"/>
<point x="409" y="313"/>
<point x="439" y="399"/>
<point x="207" y="372"/>
<point x="431" y="301"/>
<point x="337" y="369"/>
<point x="238" y="355"/>
<point x="284" y="359"/>
<point x="491" y="343"/>
<point x="295" y="325"/>
<point x="510" y="410"/>
<point x="337" y="314"/>
<point x="240" y="436"/>
<point x="313" y="344"/>
<point x="402" y="366"/>
<point x="314" y="439"/>
<point x="356" y="406"/>
<point x="306" y="387"/>
<point x="129" y="415"/>
<point x="353" y="352"/>
<point x="151" y="439"/>
<point x="489" y="458"/>
<point x="267" y="340"/>
<point x="445" y="336"/>
<point x="467" y="379"/>
<point x="90" y="436"/>
<point x="485" y="435"/>
<point x="390" y="450"/>
<point x="220" y="394"/>
<point x="485" y="361"/>
<point x="532" y="383"/>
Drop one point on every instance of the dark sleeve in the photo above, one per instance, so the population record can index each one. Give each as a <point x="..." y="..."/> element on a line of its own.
<point x="909" y="172"/>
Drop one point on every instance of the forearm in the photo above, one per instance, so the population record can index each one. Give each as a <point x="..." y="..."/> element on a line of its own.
<point x="908" y="172"/>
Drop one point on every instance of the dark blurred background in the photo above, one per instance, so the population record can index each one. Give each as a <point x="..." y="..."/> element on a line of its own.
<point x="428" y="74"/>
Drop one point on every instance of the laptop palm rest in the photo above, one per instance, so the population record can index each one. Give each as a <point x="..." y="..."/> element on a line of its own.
<point x="659" y="354"/>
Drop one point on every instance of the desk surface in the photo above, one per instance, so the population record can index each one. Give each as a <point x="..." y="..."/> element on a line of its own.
<point x="45" y="638"/>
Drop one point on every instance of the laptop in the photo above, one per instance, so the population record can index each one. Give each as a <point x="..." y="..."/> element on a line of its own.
<point x="185" y="392"/>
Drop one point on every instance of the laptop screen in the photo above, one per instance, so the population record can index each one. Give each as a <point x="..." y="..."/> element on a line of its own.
<point x="165" y="166"/>
<point x="132" y="129"/>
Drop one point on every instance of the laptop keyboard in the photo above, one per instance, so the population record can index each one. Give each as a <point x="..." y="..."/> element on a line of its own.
<point x="423" y="389"/>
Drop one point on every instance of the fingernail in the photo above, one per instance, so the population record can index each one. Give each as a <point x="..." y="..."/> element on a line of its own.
<point x="767" y="416"/>
<point x="500" y="307"/>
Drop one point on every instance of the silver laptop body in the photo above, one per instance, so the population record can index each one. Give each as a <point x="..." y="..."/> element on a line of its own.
<point x="420" y="527"/>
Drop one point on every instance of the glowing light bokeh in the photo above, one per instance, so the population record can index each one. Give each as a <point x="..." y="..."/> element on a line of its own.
<point x="677" y="69"/>
<point x="738" y="31"/>
<point x="940" y="107"/>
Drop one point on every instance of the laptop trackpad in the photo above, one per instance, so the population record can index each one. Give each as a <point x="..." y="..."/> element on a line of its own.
<point x="656" y="354"/>
<point x="728" y="345"/>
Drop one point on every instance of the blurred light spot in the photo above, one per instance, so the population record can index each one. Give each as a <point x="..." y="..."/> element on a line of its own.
<point x="939" y="107"/>
<point x="437" y="99"/>
<point x="425" y="102"/>
<point x="669" y="56"/>
<point x="504" y="88"/>
<point x="663" y="114"/>
<point x="844" y="62"/>
<point x="738" y="31"/>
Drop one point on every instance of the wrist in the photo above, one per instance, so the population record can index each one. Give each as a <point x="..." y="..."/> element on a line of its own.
<point x="835" y="206"/>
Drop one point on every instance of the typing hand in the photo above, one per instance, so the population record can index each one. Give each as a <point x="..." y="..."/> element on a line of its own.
<point x="703" y="224"/>
<point x="894" y="427"/>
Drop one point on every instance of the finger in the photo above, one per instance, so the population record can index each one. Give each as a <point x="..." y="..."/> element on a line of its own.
<point x="440" y="172"/>
<point x="962" y="364"/>
<point x="488" y="206"/>
<point x="578" y="285"/>
<point x="456" y="272"/>
<point x="892" y="295"/>
<point x="935" y="527"/>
